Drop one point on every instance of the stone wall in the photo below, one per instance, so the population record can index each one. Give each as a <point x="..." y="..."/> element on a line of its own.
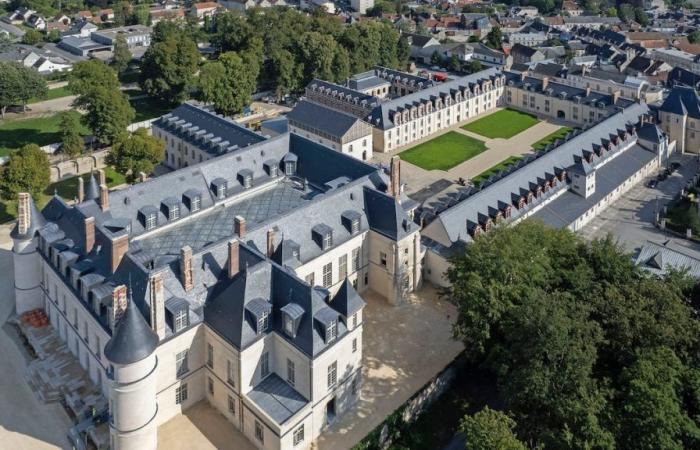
<point x="78" y="166"/>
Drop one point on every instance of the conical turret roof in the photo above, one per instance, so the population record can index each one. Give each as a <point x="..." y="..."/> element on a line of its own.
<point x="132" y="340"/>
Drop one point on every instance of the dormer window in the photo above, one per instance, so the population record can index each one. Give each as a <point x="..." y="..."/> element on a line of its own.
<point x="351" y="221"/>
<point x="288" y="325"/>
<point x="291" y="316"/>
<point x="355" y="226"/>
<point x="151" y="221"/>
<point x="328" y="240"/>
<point x="192" y="198"/>
<point x="271" y="167"/>
<point x="177" y="313"/>
<point x="245" y="177"/>
<point x="174" y="212"/>
<point x="219" y="186"/>
<point x="332" y="331"/>
<point x="149" y="217"/>
<point x="196" y="203"/>
<point x="263" y="321"/>
<point x="260" y="310"/>
<point x="290" y="164"/>
<point x="323" y="235"/>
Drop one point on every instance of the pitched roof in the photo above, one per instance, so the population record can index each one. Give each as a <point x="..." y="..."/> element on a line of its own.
<point x="132" y="340"/>
<point x="682" y="100"/>
<point x="327" y="120"/>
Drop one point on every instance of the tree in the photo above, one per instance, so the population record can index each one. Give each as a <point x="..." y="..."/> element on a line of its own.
<point x="474" y="66"/>
<point x="87" y="75"/>
<point x="641" y="17"/>
<point x="168" y="68"/>
<point x="32" y="37"/>
<point x="626" y="12"/>
<point x="474" y="39"/>
<point x="18" y="84"/>
<point x="229" y="82"/>
<point x="108" y="114"/>
<point x="136" y="152"/>
<point x="6" y="42"/>
<point x="72" y="143"/>
<point x="436" y="58"/>
<point x="453" y="64"/>
<point x="494" y="38"/>
<point x="27" y="170"/>
<point x="694" y="37"/>
<point x="141" y="15"/>
<point x="490" y="430"/>
<point x="122" y="56"/>
<point x="611" y="12"/>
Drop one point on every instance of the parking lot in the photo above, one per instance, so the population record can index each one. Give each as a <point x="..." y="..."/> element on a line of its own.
<point x="631" y="218"/>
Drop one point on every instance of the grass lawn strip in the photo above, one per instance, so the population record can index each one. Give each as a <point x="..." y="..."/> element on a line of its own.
<point x="54" y="93"/>
<point x="444" y="152"/>
<point x="66" y="188"/>
<point x="495" y="169"/>
<point x="37" y="130"/>
<point x="505" y="124"/>
<point x="551" y="138"/>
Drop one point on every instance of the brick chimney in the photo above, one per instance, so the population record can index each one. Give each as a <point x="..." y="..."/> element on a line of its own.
<point x="615" y="97"/>
<point x="270" y="242"/>
<point x="101" y="179"/>
<point x="81" y="190"/>
<point x="239" y="226"/>
<point x="120" y="245"/>
<point x="233" y="258"/>
<point x="545" y="83"/>
<point x="89" y="234"/>
<point x="186" y="268"/>
<point x="588" y="91"/>
<point x="104" y="197"/>
<point x="24" y="215"/>
<point x="395" y="175"/>
<point x="118" y="305"/>
<point x="157" y="295"/>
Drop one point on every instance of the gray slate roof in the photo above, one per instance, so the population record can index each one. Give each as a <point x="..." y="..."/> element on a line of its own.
<point x="132" y="340"/>
<point x="682" y="100"/>
<point x="660" y="258"/>
<point x="277" y="398"/>
<point x="326" y="120"/>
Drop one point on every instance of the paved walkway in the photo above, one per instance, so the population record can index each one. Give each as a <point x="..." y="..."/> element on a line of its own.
<point x="25" y="422"/>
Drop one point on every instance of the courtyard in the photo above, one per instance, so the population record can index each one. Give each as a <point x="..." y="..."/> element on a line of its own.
<point x="444" y="152"/>
<point x="503" y="124"/>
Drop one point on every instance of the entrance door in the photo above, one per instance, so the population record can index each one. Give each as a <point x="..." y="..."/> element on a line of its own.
<point x="330" y="411"/>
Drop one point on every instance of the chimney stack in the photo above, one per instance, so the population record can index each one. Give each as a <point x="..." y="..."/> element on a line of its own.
<point x="588" y="91"/>
<point x="186" y="268"/>
<point x="104" y="197"/>
<point x="24" y="215"/>
<point x="89" y="234"/>
<point x="395" y="188"/>
<point x="233" y="258"/>
<point x="157" y="294"/>
<point x="120" y="245"/>
<point x="118" y="305"/>
<point x="615" y="97"/>
<point x="239" y="226"/>
<point x="545" y="83"/>
<point x="101" y="179"/>
<point x="81" y="190"/>
<point x="270" y="242"/>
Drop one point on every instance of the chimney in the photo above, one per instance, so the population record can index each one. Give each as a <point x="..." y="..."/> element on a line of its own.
<point x="239" y="226"/>
<point x="186" y="268"/>
<point x="24" y="215"/>
<point x="157" y="295"/>
<point x="118" y="305"/>
<point x="233" y="258"/>
<point x="545" y="83"/>
<point x="615" y="97"/>
<point x="120" y="245"/>
<point x="89" y="234"/>
<point x="395" y="189"/>
<point x="101" y="179"/>
<point x="588" y="91"/>
<point x="81" y="190"/>
<point x="104" y="197"/>
<point x="523" y="74"/>
<point x="270" y="242"/>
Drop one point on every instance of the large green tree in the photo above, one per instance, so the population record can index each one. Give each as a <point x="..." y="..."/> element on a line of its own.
<point x="27" y="170"/>
<point x="19" y="84"/>
<point x="229" y="82"/>
<point x="72" y="143"/>
<point x="490" y="430"/>
<point x="136" y="152"/>
<point x="121" y="56"/>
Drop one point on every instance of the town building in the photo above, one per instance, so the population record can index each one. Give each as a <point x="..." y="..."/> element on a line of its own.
<point x="203" y="10"/>
<point x="235" y="281"/>
<point x="678" y="58"/>
<point x="524" y="55"/>
<point x="605" y="81"/>
<point x="361" y="6"/>
<point x="679" y="117"/>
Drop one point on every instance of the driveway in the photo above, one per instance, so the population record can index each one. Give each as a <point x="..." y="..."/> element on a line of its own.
<point x="630" y="219"/>
<point x="25" y="422"/>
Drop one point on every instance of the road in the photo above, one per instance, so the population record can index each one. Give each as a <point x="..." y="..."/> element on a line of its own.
<point x="25" y="422"/>
<point x="631" y="218"/>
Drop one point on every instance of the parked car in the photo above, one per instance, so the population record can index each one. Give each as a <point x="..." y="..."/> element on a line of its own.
<point x="652" y="183"/>
<point x="662" y="176"/>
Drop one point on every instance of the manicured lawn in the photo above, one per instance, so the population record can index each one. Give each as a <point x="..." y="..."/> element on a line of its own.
<point x="66" y="188"/>
<point x="444" y="152"/>
<point x="53" y="94"/>
<point x="545" y="141"/>
<point x="505" y="124"/>
<point x="37" y="130"/>
<point x="498" y="167"/>
<point x="149" y="108"/>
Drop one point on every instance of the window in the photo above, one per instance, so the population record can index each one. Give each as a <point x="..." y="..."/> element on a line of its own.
<point x="98" y="349"/>
<point x="181" y="363"/>
<point x="174" y="212"/>
<point x="264" y="365"/>
<point x="332" y="374"/>
<point x="259" y="432"/>
<point x="327" y="240"/>
<point x="290" y="168"/>
<point x="310" y="279"/>
<point x="354" y="345"/>
<point x="355" y="226"/>
<point x="354" y="320"/>
<point x="221" y="191"/>
<point x="382" y="258"/>
<point x="196" y="203"/>
<point x="328" y="275"/>
<point x="299" y="435"/>
<point x="342" y="267"/>
<point x="210" y="386"/>
<point x="231" y="405"/>
<point x="181" y="394"/>
<point x="288" y="325"/>
<point x="273" y="171"/>
<point x="150" y="221"/>
<point x="263" y="321"/>
<point x="290" y="372"/>
<point x="356" y="258"/>
<point x="332" y="331"/>
<point x="210" y="356"/>
<point x="229" y="373"/>
<point x="354" y="386"/>
<point x="180" y="319"/>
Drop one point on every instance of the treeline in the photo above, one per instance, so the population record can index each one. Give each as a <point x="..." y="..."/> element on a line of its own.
<point x="277" y="48"/>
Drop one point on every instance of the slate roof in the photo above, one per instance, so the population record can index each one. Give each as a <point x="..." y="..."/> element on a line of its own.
<point x="660" y="258"/>
<point x="207" y="130"/>
<point x="277" y="398"/>
<point x="326" y="120"/>
<point x="523" y="50"/>
<point x="682" y="100"/>
<point x="683" y="77"/>
<point x="36" y="222"/>
<point x="132" y="340"/>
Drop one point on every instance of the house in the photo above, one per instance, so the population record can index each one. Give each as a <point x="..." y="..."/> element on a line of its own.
<point x="43" y="60"/>
<point x="20" y="15"/>
<point x="158" y="13"/>
<point x="678" y="58"/>
<point x="571" y="8"/>
<point x="37" y="22"/>
<point x="81" y="28"/>
<point x="524" y="54"/>
<point x="203" y="10"/>
<point x="361" y="6"/>
<point x="679" y="117"/>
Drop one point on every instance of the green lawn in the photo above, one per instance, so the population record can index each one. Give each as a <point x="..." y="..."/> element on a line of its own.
<point x="498" y="167"/>
<point x="53" y="94"/>
<point x="149" y="108"/>
<point x="505" y="124"/>
<point x="545" y="141"/>
<point x="444" y="152"/>
<point x="66" y="188"/>
<point x="37" y="130"/>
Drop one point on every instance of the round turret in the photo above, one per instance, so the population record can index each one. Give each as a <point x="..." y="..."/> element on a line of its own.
<point x="133" y="405"/>
<point x="26" y="260"/>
